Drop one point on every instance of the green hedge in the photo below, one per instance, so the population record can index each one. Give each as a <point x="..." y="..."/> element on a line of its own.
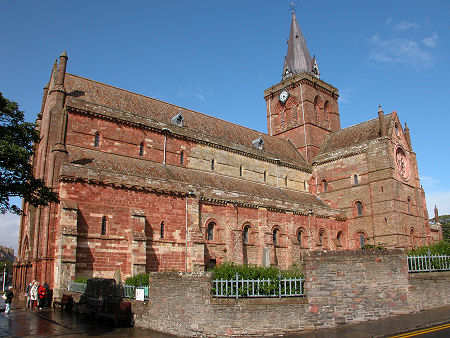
<point x="229" y="270"/>
<point x="81" y="279"/>
<point x="138" y="280"/>
<point x="440" y="248"/>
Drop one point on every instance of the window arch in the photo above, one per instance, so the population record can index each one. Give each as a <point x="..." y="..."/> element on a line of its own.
<point x="141" y="149"/>
<point x="359" y="208"/>
<point x="324" y="185"/>
<point x="182" y="157"/>
<point x="339" y="238"/>
<point x="246" y="234"/>
<point x="97" y="139"/>
<point x="104" y="219"/>
<point x="275" y="236"/>
<point x="362" y="240"/>
<point x="317" y="108"/>
<point x="210" y="231"/>
<point x="300" y="237"/>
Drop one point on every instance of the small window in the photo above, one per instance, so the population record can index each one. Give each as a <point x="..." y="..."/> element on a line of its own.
<point x="241" y="170"/>
<point x="339" y="238"/>
<point x="385" y="220"/>
<point x="265" y="176"/>
<point x="161" y="231"/>
<point x="359" y="208"/>
<point x="321" y="234"/>
<point x="355" y="179"/>
<point x="324" y="185"/>
<point x="104" y="225"/>
<point x="97" y="139"/>
<point x="182" y="157"/>
<point x="286" y="181"/>
<point x="381" y="189"/>
<point x="210" y="233"/>
<point x="141" y="149"/>
<point x="409" y="205"/>
<point x="246" y="234"/>
<point x="305" y="186"/>
<point x="362" y="240"/>
<point x="275" y="236"/>
<point x="300" y="237"/>
<point x="212" y="164"/>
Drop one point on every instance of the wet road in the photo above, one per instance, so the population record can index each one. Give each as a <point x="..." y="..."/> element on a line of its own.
<point x="50" y="322"/>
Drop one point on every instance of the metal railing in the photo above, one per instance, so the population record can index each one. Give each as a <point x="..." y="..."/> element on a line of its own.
<point x="239" y="288"/>
<point x="428" y="263"/>
<point x="129" y="291"/>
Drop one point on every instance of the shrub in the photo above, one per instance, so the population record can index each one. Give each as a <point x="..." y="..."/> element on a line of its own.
<point x="138" y="280"/>
<point x="440" y="248"/>
<point x="80" y="279"/>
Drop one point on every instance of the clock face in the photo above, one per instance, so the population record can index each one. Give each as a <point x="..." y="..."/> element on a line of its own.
<point x="283" y="96"/>
<point x="402" y="163"/>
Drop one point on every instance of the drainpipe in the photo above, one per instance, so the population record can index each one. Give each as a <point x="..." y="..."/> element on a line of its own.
<point x="309" y="226"/>
<point x="165" y="131"/>
<point x="277" y="161"/>
<point x="304" y="123"/>
<point x="190" y="193"/>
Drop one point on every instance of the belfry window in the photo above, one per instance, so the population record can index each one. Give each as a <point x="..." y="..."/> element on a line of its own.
<point x="104" y="218"/>
<point x="359" y="208"/>
<point x="97" y="139"/>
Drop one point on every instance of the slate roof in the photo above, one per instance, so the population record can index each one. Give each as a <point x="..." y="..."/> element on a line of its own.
<point x="82" y="91"/>
<point x="352" y="138"/>
<point x="94" y="165"/>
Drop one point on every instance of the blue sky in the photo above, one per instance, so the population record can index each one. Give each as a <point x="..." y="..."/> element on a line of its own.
<point x="217" y="57"/>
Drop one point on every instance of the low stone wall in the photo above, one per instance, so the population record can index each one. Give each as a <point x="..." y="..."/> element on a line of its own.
<point x="341" y="287"/>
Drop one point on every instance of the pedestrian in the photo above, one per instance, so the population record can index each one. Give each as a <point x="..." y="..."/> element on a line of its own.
<point x="34" y="295"/>
<point x="8" y="296"/>
<point x="47" y="294"/>
<point x="41" y="296"/>
<point x="28" y="294"/>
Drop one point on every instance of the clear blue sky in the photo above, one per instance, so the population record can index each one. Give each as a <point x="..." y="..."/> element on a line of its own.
<point x="217" y="57"/>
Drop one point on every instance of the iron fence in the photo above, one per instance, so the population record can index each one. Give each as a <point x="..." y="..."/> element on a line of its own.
<point x="129" y="291"/>
<point x="428" y="263"/>
<point x="239" y="287"/>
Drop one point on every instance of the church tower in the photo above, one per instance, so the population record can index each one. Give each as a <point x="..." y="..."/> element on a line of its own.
<point x="301" y="108"/>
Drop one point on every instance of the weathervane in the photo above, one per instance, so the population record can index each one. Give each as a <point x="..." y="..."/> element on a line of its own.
<point x="292" y="7"/>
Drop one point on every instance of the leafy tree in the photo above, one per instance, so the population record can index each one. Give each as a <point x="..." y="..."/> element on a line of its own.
<point x="17" y="139"/>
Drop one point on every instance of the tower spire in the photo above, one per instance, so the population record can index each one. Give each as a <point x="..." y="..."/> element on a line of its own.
<point x="297" y="59"/>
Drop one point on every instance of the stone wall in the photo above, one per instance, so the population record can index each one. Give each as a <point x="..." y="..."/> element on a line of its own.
<point x="341" y="288"/>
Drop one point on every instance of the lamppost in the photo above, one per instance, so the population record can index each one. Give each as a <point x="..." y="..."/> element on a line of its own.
<point x="4" y="277"/>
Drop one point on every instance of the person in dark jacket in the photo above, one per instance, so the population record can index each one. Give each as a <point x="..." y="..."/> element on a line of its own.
<point x="9" y="296"/>
<point x="47" y="295"/>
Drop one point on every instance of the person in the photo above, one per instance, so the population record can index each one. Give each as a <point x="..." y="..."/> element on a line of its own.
<point x="47" y="295"/>
<point x="28" y="294"/>
<point x="41" y="295"/>
<point x="34" y="295"/>
<point x="9" y="296"/>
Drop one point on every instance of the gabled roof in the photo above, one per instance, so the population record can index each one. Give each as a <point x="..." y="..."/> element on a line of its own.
<point x="94" y="165"/>
<point x="88" y="93"/>
<point x="352" y="138"/>
<point x="297" y="58"/>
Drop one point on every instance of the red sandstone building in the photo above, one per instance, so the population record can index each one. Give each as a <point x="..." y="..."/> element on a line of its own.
<point x="149" y="186"/>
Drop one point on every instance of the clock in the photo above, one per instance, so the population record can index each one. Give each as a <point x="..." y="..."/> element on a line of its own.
<point x="402" y="163"/>
<point x="283" y="96"/>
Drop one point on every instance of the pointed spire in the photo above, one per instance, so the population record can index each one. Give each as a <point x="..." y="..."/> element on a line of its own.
<point x="408" y="136"/>
<point x="297" y="59"/>
<point x="381" y="119"/>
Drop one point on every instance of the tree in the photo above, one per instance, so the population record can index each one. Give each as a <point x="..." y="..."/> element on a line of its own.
<point x="17" y="139"/>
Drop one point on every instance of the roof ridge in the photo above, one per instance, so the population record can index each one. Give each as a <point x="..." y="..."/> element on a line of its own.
<point x="358" y="124"/>
<point x="176" y="106"/>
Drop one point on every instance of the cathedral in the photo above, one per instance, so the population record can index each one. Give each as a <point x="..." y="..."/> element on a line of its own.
<point x="145" y="185"/>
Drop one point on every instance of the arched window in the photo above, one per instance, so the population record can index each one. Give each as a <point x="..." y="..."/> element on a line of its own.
<point x="359" y="208"/>
<point x="141" y="149"/>
<point x="97" y="139"/>
<point x="265" y="176"/>
<point x="339" y="238"/>
<point x="275" y="236"/>
<point x="355" y="179"/>
<point x="104" y="218"/>
<point x="305" y="185"/>
<point x="327" y="111"/>
<point x="324" y="185"/>
<point x="300" y="237"/>
<point x="362" y="240"/>
<point x="182" y="157"/>
<point x="161" y="230"/>
<point x="246" y="234"/>
<point x="210" y="233"/>
<point x="317" y="108"/>
<point x="409" y="205"/>
<point x="286" y="181"/>
<point x="321" y="236"/>
<point x="381" y="189"/>
<point x="212" y="164"/>
<point x="241" y="170"/>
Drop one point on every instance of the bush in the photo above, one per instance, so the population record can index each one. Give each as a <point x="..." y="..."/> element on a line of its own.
<point x="440" y="248"/>
<point x="138" y="280"/>
<point x="80" y="279"/>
